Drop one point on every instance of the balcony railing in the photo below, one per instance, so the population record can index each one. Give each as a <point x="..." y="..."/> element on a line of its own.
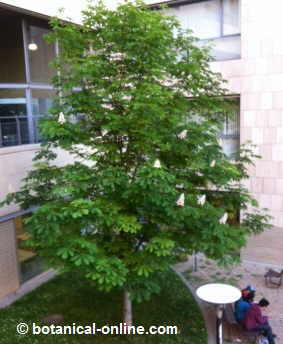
<point x="14" y="130"/>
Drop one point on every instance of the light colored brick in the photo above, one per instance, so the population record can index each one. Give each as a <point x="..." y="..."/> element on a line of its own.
<point x="267" y="47"/>
<point x="249" y="118"/>
<point x="269" y="135"/>
<point x="257" y="135"/>
<point x="266" y="101"/>
<point x="278" y="47"/>
<point x="262" y="118"/>
<point x="254" y="84"/>
<point x="277" y="99"/>
<point x="275" y="118"/>
<point x="251" y="47"/>
<point x="250" y="101"/>
<point x="257" y="185"/>
<point x="278" y="217"/>
<point x="265" y="201"/>
<point x="265" y="151"/>
<point x="279" y="186"/>
<point x="275" y="83"/>
<point x="235" y="85"/>
<point x="279" y="135"/>
<point x="248" y="68"/>
<point x="267" y="169"/>
<point x="245" y="134"/>
<point x="276" y="202"/>
<point x="261" y="66"/>
<point x="274" y="64"/>
<point x="269" y="185"/>
<point x="277" y="152"/>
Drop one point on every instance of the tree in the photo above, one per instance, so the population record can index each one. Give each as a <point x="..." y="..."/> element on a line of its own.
<point x="140" y="110"/>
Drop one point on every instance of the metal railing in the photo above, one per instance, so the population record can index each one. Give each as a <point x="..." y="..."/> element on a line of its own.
<point x="14" y="130"/>
<point x="231" y="127"/>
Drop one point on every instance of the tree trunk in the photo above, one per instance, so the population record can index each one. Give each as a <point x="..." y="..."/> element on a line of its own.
<point x="128" y="315"/>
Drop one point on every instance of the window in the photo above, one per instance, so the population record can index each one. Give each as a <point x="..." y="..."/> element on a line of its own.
<point x="29" y="262"/>
<point x="42" y="101"/>
<point x="13" y="118"/>
<point x="41" y="56"/>
<point x="25" y="77"/>
<point x="216" y="20"/>
<point x="12" y="64"/>
<point x="230" y="135"/>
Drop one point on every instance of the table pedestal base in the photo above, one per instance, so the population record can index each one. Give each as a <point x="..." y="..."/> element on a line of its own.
<point x="219" y="328"/>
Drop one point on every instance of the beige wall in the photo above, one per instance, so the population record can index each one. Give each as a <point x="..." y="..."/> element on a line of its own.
<point x="258" y="78"/>
<point x="14" y="164"/>
<point x="9" y="275"/>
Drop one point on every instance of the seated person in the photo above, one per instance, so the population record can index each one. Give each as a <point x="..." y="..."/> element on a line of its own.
<point x="242" y="305"/>
<point x="254" y="320"/>
<point x="247" y="290"/>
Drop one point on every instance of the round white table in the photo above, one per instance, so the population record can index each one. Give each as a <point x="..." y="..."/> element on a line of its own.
<point x="218" y="294"/>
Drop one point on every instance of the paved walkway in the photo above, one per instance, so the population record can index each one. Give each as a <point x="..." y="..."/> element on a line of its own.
<point x="265" y="248"/>
<point x="240" y="275"/>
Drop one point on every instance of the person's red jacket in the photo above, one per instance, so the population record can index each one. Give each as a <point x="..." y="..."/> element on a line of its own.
<point x="254" y="317"/>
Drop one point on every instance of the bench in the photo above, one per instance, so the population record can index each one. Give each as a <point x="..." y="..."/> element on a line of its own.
<point x="273" y="278"/>
<point x="236" y="330"/>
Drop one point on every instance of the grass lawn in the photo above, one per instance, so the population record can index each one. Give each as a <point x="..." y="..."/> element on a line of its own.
<point x="80" y="303"/>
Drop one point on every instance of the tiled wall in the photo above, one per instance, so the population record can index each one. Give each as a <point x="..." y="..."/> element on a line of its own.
<point x="258" y="78"/>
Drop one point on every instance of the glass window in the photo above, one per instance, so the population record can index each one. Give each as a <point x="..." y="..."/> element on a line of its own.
<point x="18" y="119"/>
<point x="226" y="48"/>
<point x="12" y="65"/>
<point x="30" y="263"/>
<point x="231" y="18"/>
<point x="13" y="118"/>
<point x="204" y="18"/>
<point x="40" y="55"/>
<point x="230" y="136"/>
<point x="215" y="20"/>
<point x="42" y="100"/>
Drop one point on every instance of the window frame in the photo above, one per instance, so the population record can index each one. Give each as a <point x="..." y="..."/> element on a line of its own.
<point x="222" y="36"/>
<point x="28" y="86"/>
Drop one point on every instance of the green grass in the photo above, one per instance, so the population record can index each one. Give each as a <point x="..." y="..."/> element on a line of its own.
<point x="80" y="303"/>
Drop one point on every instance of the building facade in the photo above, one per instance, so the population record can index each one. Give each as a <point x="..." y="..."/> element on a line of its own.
<point x="249" y="53"/>
<point x="25" y="95"/>
<point x="248" y="49"/>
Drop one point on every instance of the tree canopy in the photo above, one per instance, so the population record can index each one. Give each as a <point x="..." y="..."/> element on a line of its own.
<point x="140" y="110"/>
